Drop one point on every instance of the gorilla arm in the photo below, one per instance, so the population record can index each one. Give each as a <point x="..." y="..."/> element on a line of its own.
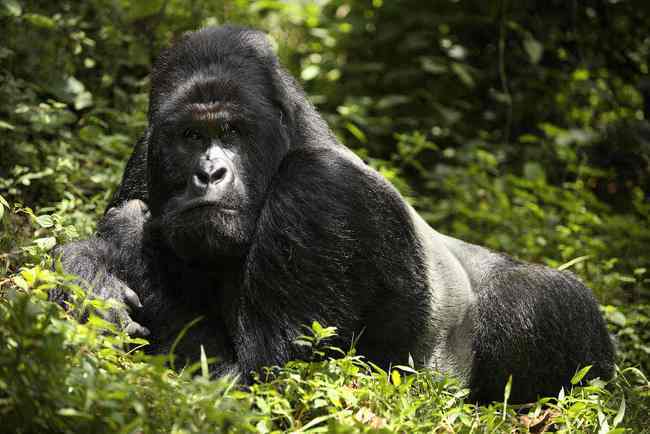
<point x="111" y="263"/>
<point x="106" y="261"/>
<point x="134" y="179"/>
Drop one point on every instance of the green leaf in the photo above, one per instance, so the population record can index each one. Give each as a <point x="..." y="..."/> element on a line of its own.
<point x="70" y="412"/>
<point x="205" y="373"/>
<point x="139" y="9"/>
<point x="303" y="342"/>
<point x="45" y="243"/>
<point x="404" y="368"/>
<point x="534" y="171"/>
<point x="11" y="8"/>
<point x="83" y="100"/>
<point x="45" y="221"/>
<point x="433" y="65"/>
<point x="573" y="262"/>
<point x="619" y="414"/>
<point x="71" y="90"/>
<point x="577" y="378"/>
<point x="261" y="427"/>
<point x="506" y="396"/>
<point x="6" y="126"/>
<point x="534" y="49"/>
<point x="310" y="72"/>
<point x="580" y="75"/>
<point x="356" y="132"/>
<point x="395" y="377"/>
<point x="3" y="204"/>
<point x="180" y="337"/>
<point x="40" y="21"/>
<point x="617" y="317"/>
<point x="317" y="328"/>
<point x="463" y="73"/>
<point x="507" y="390"/>
<point x="91" y="133"/>
<point x="20" y="282"/>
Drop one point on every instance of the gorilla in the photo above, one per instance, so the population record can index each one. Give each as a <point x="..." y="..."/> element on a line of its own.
<point x="239" y="206"/>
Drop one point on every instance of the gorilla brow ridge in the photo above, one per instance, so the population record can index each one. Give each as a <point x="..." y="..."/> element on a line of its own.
<point x="196" y="87"/>
<point x="211" y="111"/>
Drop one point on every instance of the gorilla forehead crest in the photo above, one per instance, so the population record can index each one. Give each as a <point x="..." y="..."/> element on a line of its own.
<point x="213" y="111"/>
<point x="207" y="66"/>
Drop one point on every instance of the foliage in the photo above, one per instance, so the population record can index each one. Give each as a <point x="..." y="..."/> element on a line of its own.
<point x="57" y="375"/>
<point x="631" y="326"/>
<point x="522" y="126"/>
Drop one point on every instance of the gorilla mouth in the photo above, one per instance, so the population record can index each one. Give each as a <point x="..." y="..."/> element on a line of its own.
<point x="203" y="230"/>
<point x="215" y="206"/>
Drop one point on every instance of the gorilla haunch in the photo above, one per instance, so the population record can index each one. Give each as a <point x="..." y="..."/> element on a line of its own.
<point x="260" y="221"/>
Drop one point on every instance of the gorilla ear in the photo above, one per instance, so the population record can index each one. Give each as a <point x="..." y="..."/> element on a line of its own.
<point x="283" y="100"/>
<point x="263" y="46"/>
<point x="284" y="113"/>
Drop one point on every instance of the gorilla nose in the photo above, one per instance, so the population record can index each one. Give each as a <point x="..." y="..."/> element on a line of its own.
<point x="210" y="172"/>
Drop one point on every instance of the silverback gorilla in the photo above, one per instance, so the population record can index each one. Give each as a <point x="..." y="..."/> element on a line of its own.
<point x="240" y="206"/>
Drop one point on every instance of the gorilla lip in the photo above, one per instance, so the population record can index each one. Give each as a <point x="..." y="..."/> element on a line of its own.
<point x="208" y="203"/>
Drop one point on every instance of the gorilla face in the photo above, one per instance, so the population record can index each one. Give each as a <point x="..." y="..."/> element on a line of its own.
<point x="214" y="144"/>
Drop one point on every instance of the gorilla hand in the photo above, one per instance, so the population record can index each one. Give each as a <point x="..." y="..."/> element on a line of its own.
<point x="105" y="262"/>
<point x="124" y="302"/>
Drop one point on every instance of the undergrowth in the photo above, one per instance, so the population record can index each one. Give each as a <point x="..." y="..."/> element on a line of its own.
<point x="59" y="375"/>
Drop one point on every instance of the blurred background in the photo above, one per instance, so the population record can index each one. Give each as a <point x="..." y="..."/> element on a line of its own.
<point x="522" y="126"/>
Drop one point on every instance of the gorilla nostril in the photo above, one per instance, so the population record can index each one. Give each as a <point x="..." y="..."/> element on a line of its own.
<point x="219" y="174"/>
<point x="201" y="178"/>
<point x="210" y="175"/>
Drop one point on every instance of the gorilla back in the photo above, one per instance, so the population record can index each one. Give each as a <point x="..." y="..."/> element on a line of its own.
<point x="262" y="222"/>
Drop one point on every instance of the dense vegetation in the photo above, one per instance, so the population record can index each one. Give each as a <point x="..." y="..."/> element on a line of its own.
<point x="522" y="126"/>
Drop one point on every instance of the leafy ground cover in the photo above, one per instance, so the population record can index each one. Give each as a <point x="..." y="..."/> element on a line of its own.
<point x="57" y="375"/>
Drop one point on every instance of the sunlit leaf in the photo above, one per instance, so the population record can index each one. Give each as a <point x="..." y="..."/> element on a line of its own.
<point x="577" y="378"/>
<point x="310" y="72"/>
<point x="40" y="21"/>
<point x="45" y="221"/>
<point x="10" y="8"/>
<point x="534" y="49"/>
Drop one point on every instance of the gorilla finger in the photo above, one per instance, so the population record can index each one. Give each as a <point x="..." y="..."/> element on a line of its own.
<point x="136" y="206"/>
<point x="112" y="315"/>
<point x="144" y="208"/>
<point x="131" y="298"/>
<point x="111" y="212"/>
<point x="136" y="330"/>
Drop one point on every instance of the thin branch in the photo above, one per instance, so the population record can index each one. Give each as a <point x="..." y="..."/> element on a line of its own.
<point x="502" y="71"/>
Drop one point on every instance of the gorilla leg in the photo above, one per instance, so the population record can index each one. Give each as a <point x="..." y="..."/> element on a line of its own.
<point x="539" y="325"/>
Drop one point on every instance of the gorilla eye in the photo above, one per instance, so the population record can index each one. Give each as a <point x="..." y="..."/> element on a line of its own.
<point x="193" y="135"/>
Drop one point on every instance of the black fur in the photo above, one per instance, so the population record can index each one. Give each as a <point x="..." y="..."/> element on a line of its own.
<point x="314" y="235"/>
<point x="538" y="324"/>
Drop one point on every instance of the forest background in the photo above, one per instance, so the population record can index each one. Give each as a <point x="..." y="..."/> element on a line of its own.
<point x="522" y="126"/>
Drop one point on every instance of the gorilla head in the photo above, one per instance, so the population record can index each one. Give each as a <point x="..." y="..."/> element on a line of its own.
<point x="216" y="136"/>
